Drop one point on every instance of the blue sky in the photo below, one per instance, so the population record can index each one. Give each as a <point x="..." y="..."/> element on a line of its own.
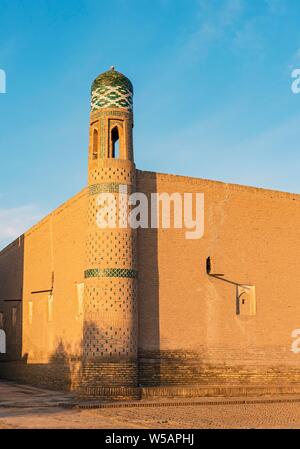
<point x="212" y="98"/>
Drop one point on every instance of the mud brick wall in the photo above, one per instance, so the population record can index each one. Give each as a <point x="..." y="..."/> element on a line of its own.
<point x="41" y="274"/>
<point x="189" y="329"/>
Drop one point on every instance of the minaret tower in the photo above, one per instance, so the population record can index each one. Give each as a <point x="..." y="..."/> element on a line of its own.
<point x="110" y="297"/>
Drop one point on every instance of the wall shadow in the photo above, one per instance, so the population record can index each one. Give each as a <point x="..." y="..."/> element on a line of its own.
<point x="148" y="294"/>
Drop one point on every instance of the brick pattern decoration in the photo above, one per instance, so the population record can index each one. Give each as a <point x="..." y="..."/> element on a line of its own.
<point x="110" y="310"/>
<point x="110" y="273"/>
<point x="110" y="298"/>
<point x="95" y="189"/>
<point x="102" y="121"/>
<point x="120" y="255"/>
<point x="104" y="175"/>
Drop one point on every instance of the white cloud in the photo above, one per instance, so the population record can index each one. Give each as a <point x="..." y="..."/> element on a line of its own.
<point x="15" y="221"/>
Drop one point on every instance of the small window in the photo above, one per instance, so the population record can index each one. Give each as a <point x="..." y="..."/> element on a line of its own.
<point x="115" y="140"/>
<point x="95" y="144"/>
<point x="208" y="265"/>
<point x="246" y="300"/>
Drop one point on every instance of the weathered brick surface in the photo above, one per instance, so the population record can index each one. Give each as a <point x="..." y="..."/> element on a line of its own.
<point x="106" y="373"/>
<point x="54" y="376"/>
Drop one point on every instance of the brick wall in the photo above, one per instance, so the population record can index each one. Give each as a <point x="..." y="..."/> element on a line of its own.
<point x="43" y="270"/>
<point x="189" y="331"/>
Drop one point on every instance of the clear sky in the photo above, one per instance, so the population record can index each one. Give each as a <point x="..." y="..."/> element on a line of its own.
<point x="212" y="83"/>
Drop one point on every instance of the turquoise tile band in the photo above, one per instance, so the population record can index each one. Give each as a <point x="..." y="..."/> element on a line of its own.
<point x="111" y="273"/>
<point x="112" y="187"/>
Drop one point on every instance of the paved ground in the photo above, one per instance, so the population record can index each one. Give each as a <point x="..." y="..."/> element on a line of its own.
<point x="28" y="407"/>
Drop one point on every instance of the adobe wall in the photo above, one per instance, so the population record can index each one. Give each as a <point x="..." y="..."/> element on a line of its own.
<point x="47" y="260"/>
<point x="189" y="329"/>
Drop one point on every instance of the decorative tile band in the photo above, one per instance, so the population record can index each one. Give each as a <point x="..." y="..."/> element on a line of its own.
<point x="114" y="113"/>
<point x="111" y="273"/>
<point x="112" y="187"/>
<point x="111" y="97"/>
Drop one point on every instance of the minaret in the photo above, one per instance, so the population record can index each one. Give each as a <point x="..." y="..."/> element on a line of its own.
<point x="110" y="297"/>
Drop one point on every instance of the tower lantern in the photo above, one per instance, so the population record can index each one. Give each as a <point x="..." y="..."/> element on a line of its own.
<point x="111" y="119"/>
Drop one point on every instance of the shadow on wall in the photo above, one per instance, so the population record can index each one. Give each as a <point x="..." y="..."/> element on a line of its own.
<point x="148" y="295"/>
<point x="68" y="371"/>
<point x="56" y="374"/>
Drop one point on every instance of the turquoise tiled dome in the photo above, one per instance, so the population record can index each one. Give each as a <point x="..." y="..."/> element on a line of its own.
<point x="112" y="89"/>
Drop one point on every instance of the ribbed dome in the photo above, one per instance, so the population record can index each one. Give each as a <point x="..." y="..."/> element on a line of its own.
<point x="112" y="89"/>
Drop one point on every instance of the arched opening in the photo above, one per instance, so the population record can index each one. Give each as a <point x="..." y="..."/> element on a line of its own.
<point x="95" y="144"/>
<point x="115" y="141"/>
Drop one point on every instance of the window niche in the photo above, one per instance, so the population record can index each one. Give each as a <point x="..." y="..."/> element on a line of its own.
<point x="245" y="300"/>
<point x="115" y="143"/>
<point x="95" y="144"/>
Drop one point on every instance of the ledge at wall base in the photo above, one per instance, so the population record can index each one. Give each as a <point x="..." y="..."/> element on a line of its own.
<point x="218" y="391"/>
<point x="91" y="395"/>
<point x="109" y="393"/>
